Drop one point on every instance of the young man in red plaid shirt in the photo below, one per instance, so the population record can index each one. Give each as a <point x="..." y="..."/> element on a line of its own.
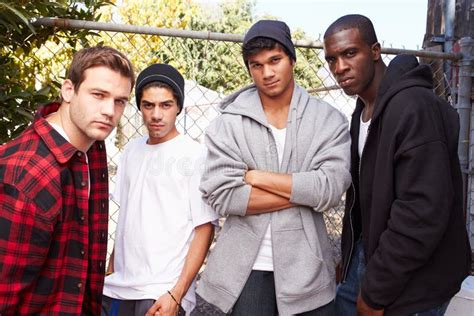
<point x="54" y="193"/>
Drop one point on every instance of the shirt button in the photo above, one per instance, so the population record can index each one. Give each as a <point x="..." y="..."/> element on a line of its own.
<point x="102" y="235"/>
<point x="103" y="205"/>
<point x="103" y="175"/>
<point x="83" y="184"/>
<point x="82" y="218"/>
<point x="101" y="264"/>
<point x="79" y="285"/>
<point x="79" y="154"/>
<point x="101" y="146"/>
<point x="83" y="252"/>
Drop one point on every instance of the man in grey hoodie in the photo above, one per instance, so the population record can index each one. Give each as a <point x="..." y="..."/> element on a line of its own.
<point x="277" y="158"/>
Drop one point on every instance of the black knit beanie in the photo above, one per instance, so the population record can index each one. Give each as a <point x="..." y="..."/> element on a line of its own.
<point x="276" y="30"/>
<point x="161" y="73"/>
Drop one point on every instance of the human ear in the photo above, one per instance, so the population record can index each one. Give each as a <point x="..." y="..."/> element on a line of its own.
<point x="67" y="90"/>
<point x="376" y="50"/>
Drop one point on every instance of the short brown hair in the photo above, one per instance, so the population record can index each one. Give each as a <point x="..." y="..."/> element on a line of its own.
<point x="99" y="56"/>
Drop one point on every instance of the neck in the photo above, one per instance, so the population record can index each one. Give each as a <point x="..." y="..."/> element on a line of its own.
<point x="77" y="139"/>
<point x="276" y="109"/>
<point x="369" y="95"/>
<point x="160" y="140"/>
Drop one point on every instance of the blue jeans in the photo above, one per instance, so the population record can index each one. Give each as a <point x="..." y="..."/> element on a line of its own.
<point x="348" y="291"/>
<point x="437" y="311"/>
<point x="258" y="298"/>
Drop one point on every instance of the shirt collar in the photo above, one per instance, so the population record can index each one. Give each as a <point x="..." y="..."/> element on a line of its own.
<point x="59" y="147"/>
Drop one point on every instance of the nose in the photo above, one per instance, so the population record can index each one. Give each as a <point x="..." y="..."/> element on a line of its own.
<point x="268" y="71"/>
<point x="340" y="66"/>
<point x="156" y="113"/>
<point x="108" y="107"/>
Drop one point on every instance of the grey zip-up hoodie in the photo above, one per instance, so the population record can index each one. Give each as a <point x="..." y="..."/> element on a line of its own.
<point x="317" y="155"/>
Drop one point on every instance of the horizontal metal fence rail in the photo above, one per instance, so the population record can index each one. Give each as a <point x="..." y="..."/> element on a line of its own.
<point x="125" y="28"/>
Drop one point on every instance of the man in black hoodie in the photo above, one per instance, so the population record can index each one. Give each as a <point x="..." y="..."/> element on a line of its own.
<point x="405" y="248"/>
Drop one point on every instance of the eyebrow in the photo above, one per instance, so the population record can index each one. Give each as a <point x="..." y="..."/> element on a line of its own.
<point x="125" y="98"/>
<point x="161" y="102"/>
<point x="276" y="55"/>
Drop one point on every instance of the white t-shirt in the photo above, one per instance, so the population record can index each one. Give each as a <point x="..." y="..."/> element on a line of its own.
<point x="264" y="261"/>
<point x="363" y="130"/>
<point x="160" y="204"/>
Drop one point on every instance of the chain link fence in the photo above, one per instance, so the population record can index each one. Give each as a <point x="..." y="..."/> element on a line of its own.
<point x="212" y="66"/>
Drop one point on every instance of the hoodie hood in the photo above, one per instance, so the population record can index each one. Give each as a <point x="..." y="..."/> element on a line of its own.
<point x="403" y="72"/>
<point x="246" y="102"/>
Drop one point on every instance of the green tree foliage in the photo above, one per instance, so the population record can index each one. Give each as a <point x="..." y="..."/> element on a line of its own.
<point x="33" y="59"/>
<point x="220" y="67"/>
<point x="216" y="65"/>
<point x="21" y="91"/>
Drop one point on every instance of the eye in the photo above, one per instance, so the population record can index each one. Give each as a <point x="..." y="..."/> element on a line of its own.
<point x="330" y="60"/>
<point x="147" y="106"/>
<point x="275" y="60"/>
<point x="121" y="103"/>
<point x="255" y="66"/>
<point x="350" y="53"/>
<point x="98" y="95"/>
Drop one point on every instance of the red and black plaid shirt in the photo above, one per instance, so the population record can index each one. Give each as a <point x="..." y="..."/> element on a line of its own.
<point x="53" y="236"/>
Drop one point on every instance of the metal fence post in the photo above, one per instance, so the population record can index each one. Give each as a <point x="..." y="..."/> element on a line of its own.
<point x="466" y="134"/>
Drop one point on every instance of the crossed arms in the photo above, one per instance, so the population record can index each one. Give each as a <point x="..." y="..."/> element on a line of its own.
<point x="233" y="183"/>
<point x="270" y="191"/>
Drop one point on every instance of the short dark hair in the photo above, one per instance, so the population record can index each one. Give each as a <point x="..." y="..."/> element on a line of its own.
<point x="354" y="21"/>
<point x="258" y="44"/>
<point x="158" y="84"/>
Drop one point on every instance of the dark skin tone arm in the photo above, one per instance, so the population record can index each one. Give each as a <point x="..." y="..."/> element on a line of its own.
<point x="365" y="310"/>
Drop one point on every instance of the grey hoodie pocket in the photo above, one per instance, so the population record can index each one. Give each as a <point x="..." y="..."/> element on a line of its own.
<point x="298" y="270"/>
<point x="229" y="262"/>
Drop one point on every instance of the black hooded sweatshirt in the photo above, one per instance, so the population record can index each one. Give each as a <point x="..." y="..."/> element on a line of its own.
<point x="406" y="200"/>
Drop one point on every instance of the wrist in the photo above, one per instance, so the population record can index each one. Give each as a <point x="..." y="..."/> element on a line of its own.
<point x="251" y="178"/>
<point x="178" y="291"/>
<point x="176" y="299"/>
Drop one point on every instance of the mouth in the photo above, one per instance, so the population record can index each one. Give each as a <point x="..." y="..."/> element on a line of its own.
<point x="104" y="124"/>
<point x="271" y="84"/>
<point x="345" y="82"/>
<point x="156" y="125"/>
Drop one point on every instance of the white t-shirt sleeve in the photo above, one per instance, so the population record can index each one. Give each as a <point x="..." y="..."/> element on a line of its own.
<point x="201" y="212"/>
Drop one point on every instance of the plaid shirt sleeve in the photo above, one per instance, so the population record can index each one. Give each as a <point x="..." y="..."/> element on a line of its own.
<point x="21" y="259"/>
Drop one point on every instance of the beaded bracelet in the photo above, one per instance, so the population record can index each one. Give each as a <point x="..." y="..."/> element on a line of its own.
<point x="174" y="299"/>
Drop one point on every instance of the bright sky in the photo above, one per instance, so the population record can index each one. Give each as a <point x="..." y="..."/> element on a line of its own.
<point x="398" y="23"/>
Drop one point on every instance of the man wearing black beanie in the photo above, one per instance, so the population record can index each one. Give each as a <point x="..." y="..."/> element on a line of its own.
<point x="164" y="227"/>
<point x="277" y="159"/>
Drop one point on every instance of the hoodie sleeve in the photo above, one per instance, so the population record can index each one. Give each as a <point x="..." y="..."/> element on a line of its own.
<point x="327" y="176"/>
<point x="222" y="182"/>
